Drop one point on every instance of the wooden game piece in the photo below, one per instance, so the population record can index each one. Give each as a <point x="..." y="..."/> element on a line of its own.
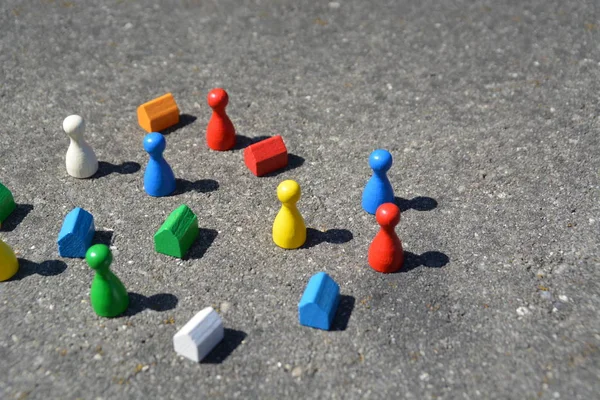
<point x="177" y="233"/>
<point x="76" y="234"/>
<point x="385" y="252"/>
<point x="7" y="203"/>
<point x="108" y="296"/>
<point x="80" y="160"/>
<point x="220" y="133"/>
<point x="266" y="156"/>
<point x="158" y="114"/>
<point x="289" y="231"/>
<point x="319" y="302"/>
<point x="9" y="265"/>
<point x="159" y="179"/>
<point x="379" y="189"/>
<point x="200" y="335"/>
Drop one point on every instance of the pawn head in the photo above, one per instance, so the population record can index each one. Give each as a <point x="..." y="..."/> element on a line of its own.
<point x="288" y="191"/>
<point x="387" y="215"/>
<point x="218" y="98"/>
<point x="154" y="143"/>
<point x="380" y="160"/>
<point x="98" y="257"/>
<point x="74" y="125"/>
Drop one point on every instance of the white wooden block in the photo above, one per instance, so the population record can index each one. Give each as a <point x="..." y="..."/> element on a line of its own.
<point x="200" y="335"/>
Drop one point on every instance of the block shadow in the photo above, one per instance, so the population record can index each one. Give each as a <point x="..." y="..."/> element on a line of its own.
<point x="241" y="141"/>
<point x="46" y="268"/>
<point x="342" y="316"/>
<point x="419" y="203"/>
<point x="106" y="168"/>
<point x="205" y="239"/>
<point x="200" y="186"/>
<point x="231" y="340"/>
<point x="16" y="217"/>
<point x="158" y="302"/>
<point x="184" y="120"/>
<point x="103" y="237"/>
<point x="294" y="161"/>
<point x="334" y="236"/>
<point x="430" y="259"/>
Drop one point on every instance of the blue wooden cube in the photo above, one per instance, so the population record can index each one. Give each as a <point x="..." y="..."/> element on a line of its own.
<point x="76" y="234"/>
<point x="319" y="302"/>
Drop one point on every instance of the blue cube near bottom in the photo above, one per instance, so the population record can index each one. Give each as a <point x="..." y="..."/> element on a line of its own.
<point x="319" y="302"/>
<point x="76" y="234"/>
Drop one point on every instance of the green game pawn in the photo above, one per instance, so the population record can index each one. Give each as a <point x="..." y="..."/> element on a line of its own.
<point x="108" y="296"/>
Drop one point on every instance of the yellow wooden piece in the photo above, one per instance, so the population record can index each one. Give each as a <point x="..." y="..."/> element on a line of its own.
<point x="8" y="262"/>
<point x="289" y="231"/>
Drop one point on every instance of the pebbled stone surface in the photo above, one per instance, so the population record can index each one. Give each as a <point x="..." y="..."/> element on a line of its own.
<point x="489" y="109"/>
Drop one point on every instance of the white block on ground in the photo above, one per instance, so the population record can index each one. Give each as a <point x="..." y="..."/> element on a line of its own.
<point x="200" y="335"/>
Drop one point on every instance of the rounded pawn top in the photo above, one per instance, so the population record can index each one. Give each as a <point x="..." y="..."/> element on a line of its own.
<point x="218" y="98"/>
<point x="74" y="125"/>
<point x="288" y="191"/>
<point x="388" y="215"/>
<point x="154" y="143"/>
<point x="98" y="257"/>
<point x="380" y="160"/>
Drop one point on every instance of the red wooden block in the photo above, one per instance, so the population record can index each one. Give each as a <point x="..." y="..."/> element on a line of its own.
<point x="266" y="156"/>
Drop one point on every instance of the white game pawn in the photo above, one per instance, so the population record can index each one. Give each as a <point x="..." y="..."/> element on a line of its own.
<point x="81" y="160"/>
<point x="200" y="335"/>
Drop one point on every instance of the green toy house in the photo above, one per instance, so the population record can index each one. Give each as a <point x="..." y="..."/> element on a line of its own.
<point x="7" y="203"/>
<point x="178" y="233"/>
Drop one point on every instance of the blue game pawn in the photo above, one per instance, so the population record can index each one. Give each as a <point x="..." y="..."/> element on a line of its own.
<point x="379" y="189"/>
<point x="159" y="179"/>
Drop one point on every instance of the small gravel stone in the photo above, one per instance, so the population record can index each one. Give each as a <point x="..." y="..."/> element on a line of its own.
<point x="522" y="311"/>
<point x="563" y="298"/>
<point x="297" y="372"/>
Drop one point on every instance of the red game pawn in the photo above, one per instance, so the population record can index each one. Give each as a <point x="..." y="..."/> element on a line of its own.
<point x="385" y="253"/>
<point x="220" y="133"/>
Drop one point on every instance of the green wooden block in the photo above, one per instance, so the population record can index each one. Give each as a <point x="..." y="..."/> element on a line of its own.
<point x="7" y="203"/>
<point x="176" y="235"/>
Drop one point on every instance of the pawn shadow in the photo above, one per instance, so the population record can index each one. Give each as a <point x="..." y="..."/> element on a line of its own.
<point x="46" y="268"/>
<point x="430" y="259"/>
<point x="16" y="217"/>
<point x="205" y="239"/>
<point x="231" y="340"/>
<point x="158" y="302"/>
<point x="103" y="237"/>
<point x="342" y="316"/>
<point x="184" y="120"/>
<point x="294" y="161"/>
<point x="419" y="203"/>
<point x="199" y="186"/>
<point x="334" y="236"/>
<point x="241" y="141"/>
<point x="106" y="168"/>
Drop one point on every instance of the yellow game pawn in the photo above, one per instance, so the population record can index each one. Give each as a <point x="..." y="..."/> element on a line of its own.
<point x="289" y="231"/>
<point x="8" y="262"/>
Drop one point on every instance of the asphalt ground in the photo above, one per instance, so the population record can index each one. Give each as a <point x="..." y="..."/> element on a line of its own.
<point x="489" y="109"/>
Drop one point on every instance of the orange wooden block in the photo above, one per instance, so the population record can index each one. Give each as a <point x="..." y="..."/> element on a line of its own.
<point x="266" y="156"/>
<point x="158" y="114"/>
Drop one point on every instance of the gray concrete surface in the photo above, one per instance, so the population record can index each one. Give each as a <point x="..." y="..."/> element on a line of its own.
<point x="489" y="108"/>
